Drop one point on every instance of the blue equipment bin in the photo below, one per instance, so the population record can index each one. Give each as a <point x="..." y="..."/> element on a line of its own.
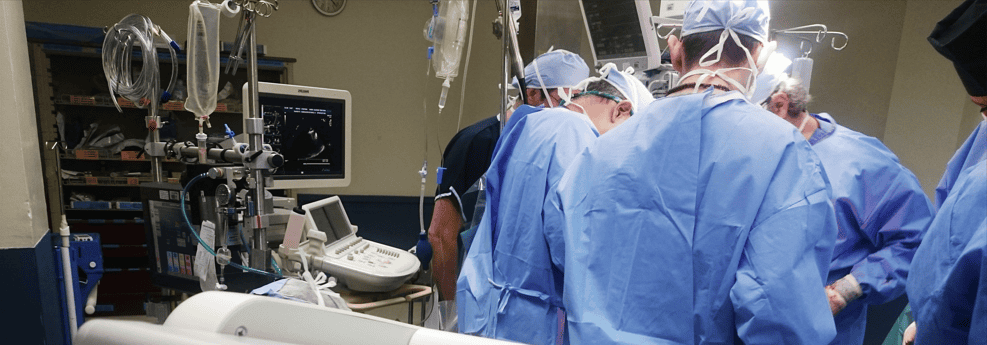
<point x="91" y="205"/>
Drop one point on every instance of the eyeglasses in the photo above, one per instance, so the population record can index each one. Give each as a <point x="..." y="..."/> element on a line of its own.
<point x="599" y="94"/>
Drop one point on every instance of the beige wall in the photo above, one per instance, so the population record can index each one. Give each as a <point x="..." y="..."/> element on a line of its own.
<point x="375" y="50"/>
<point x="925" y="122"/>
<point x="22" y="206"/>
<point x="854" y="85"/>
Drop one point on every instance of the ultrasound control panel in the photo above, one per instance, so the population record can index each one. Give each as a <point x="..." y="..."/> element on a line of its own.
<point x="360" y="264"/>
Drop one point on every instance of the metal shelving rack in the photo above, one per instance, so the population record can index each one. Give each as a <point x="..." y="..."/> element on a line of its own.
<point x="66" y="70"/>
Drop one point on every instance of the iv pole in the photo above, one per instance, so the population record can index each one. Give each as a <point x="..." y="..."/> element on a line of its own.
<point x="511" y="53"/>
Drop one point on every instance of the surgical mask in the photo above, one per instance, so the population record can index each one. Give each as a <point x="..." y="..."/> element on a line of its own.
<point x="511" y="102"/>
<point x="804" y="122"/>
<point x="747" y="88"/>
<point x="548" y="98"/>
<point x="564" y="96"/>
<point x="580" y="108"/>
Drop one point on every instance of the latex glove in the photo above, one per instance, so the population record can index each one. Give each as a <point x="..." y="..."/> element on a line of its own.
<point x="450" y="321"/>
<point x="908" y="338"/>
<point x="842" y="292"/>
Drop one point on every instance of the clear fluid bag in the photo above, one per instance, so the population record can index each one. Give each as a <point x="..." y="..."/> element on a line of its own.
<point x="202" y="58"/>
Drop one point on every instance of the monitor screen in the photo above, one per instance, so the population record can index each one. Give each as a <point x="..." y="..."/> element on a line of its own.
<point x="620" y="31"/>
<point x="328" y="216"/>
<point x="310" y="127"/>
<point x="615" y="29"/>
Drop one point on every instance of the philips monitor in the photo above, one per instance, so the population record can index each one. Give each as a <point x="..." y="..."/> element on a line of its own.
<point x="311" y="128"/>
<point x="621" y="31"/>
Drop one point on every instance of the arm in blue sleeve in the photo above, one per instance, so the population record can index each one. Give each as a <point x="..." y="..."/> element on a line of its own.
<point x="573" y="140"/>
<point x="778" y="297"/>
<point x="978" y="324"/>
<point x="574" y="136"/>
<point x="895" y="225"/>
<point x="554" y="219"/>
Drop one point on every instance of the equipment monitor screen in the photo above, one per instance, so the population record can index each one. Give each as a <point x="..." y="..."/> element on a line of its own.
<point x="310" y="127"/>
<point x="327" y="215"/>
<point x="620" y="31"/>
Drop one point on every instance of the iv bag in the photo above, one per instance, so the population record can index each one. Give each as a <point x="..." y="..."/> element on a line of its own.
<point x="449" y="35"/>
<point x="202" y="52"/>
<point x="802" y="70"/>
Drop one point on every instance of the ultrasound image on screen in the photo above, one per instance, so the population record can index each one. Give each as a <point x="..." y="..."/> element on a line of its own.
<point x="308" y="132"/>
<point x="615" y="29"/>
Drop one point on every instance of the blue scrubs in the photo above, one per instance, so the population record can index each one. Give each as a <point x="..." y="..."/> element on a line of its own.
<point x="973" y="151"/>
<point x="701" y="219"/>
<point x="948" y="284"/>
<point x="881" y="211"/>
<point x="508" y="288"/>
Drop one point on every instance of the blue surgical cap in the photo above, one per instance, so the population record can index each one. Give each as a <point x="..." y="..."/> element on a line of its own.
<point x="745" y="17"/>
<point x="557" y="68"/>
<point x="631" y="87"/>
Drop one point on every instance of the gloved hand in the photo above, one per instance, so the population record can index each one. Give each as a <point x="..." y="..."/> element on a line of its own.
<point x="450" y="321"/>
<point x="842" y="292"/>
<point x="908" y="338"/>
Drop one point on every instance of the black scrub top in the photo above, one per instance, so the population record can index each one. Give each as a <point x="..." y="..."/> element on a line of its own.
<point x="466" y="158"/>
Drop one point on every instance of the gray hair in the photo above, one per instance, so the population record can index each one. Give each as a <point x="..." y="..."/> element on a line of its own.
<point x="798" y="96"/>
<point x="596" y="87"/>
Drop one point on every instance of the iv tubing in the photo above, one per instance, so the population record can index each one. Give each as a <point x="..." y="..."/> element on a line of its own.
<point x="466" y="69"/>
<point x="203" y="243"/>
<point x="421" y="205"/>
<point x="118" y="51"/>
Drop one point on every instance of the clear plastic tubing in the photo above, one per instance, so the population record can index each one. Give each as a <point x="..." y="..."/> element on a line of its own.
<point x="135" y="29"/>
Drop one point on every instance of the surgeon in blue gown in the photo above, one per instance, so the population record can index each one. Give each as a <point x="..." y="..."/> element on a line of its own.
<point x="508" y="287"/>
<point x="880" y="207"/>
<point x="703" y="219"/>
<point x="948" y="285"/>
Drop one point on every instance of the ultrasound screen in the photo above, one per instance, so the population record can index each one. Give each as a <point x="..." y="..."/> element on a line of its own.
<point x="308" y="132"/>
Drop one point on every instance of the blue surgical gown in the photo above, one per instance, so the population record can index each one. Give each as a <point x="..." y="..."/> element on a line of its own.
<point x="701" y="219"/>
<point x="508" y="287"/>
<point x="881" y="211"/>
<point x="948" y="284"/>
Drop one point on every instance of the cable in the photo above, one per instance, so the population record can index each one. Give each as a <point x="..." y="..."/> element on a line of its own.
<point x="277" y="269"/>
<point x="118" y="51"/>
<point x="203" y="243"/>
<point x="469" y="49"/>
<point x="308" y="279"/>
